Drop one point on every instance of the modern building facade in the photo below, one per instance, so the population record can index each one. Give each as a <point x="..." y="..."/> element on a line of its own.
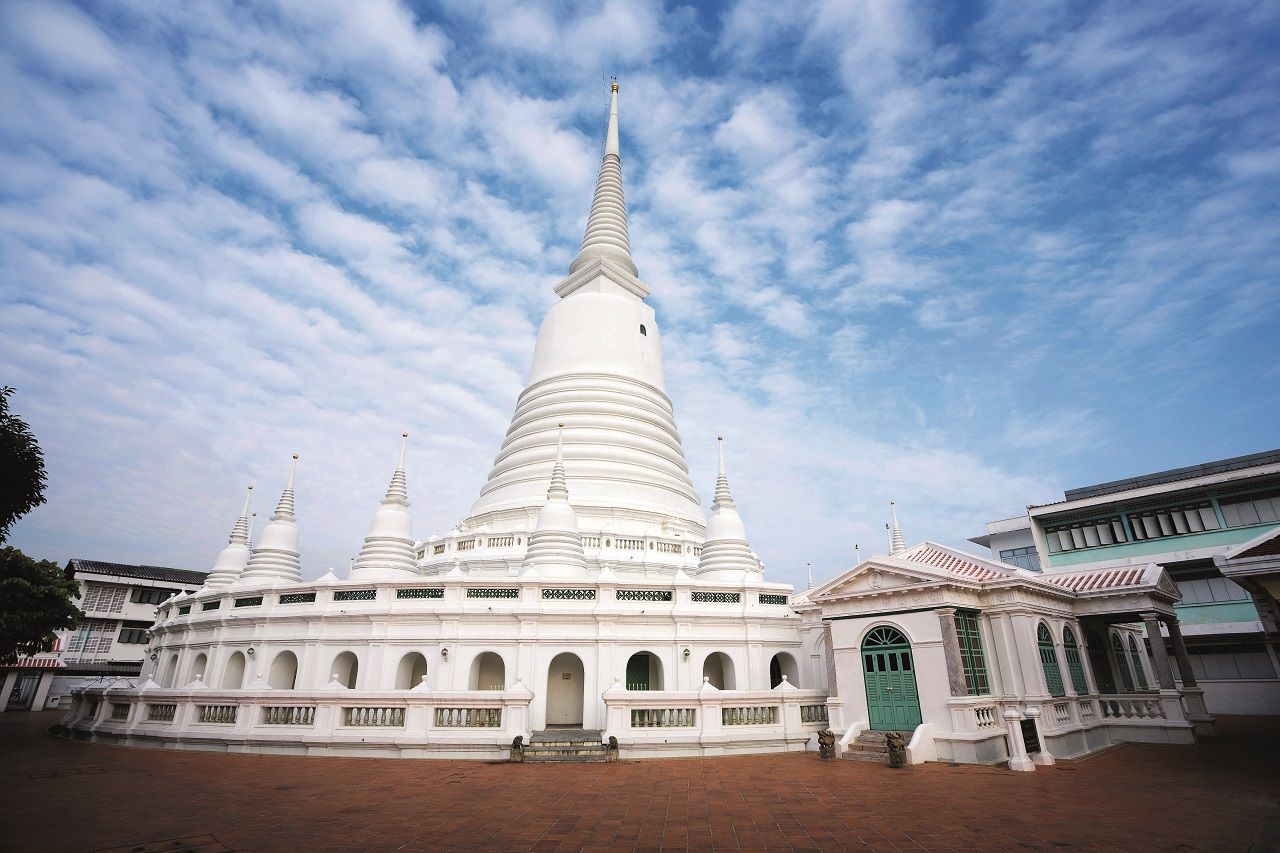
<point x="1190" y="521"/>
<point x="119" y="603"/>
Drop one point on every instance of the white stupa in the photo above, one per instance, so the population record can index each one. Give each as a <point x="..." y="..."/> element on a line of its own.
<point x="276" y="558"/>
<point x="232" y="559"/>
<point x="388" y="549"/>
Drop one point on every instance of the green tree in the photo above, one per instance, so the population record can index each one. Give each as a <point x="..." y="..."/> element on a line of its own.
<point x="35" y="601"/>
<point x="22" y="484"/>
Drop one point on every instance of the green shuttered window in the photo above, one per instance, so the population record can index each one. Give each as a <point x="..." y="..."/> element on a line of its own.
<point x="975" y="664"/>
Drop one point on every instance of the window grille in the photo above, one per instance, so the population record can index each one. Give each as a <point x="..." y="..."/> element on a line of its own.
<point x="421" y="592"/>
<point x="772" y="598"/>
<point x="1136" y="658"/>
<point x="355" y="594"/>
<point x="93" y="636"/>
<point x="211" y="605"/>
<point x="975" y="662"/>
<point x="492" y="592"/>
<point x="642" y="594"/>
<point x="104" y="597"/>
<point x="1085" y="534"/>
<point x="717" y="597"/>
<point x="570" y="594"/>
<point x="1173" y="521"/>
<point x="1252" y="509"/>
<point x="186" y="608"/>
<point x="250" y="601"/>
<point x="297" y="598"/>
<point x="1075" y="665"/>
<point x="1049" y="662"/>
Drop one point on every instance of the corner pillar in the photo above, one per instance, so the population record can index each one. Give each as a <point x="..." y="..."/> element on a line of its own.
<point x="951" y="650"/>
<point x="1159" y="654"/>
<point x="1192" y="694"/>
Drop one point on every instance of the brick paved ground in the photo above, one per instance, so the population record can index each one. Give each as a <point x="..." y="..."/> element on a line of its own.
<point x="60" y="795"/>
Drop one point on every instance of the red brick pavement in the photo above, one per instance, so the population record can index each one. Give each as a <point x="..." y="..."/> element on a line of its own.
<point x="60" y="795"/>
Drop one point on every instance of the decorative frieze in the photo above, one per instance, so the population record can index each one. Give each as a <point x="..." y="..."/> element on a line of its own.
<point x="355" y="594"/>
<point x="492" y="592"/>
<point x="772" y="598"/>
<point x="297" y="598"/>
<point x="569" y="594"/>
<point x="421" y="592"/>
<point x="642" y="594"/>
<point x="717" y="597"/>
<point x="249" y="601"/>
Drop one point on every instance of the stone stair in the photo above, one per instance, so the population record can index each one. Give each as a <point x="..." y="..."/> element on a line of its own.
<point x="870" y="746"/>
<point x="566" y="745"/>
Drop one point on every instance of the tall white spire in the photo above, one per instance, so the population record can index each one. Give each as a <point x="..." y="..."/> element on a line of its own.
<point x="388" y="549"/>
<point x="897" y="544"/>
<point x="231" y="561"/>
<point x="555" y="545"/>
<point x="276" y="557"/>
<point x="606" y="235"/>
<point x="725" y="550"/>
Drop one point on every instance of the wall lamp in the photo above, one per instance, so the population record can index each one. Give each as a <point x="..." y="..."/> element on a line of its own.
<point x="444" y="653"/>
<point x="251" y="651"/>
<point x="686" y="654"/>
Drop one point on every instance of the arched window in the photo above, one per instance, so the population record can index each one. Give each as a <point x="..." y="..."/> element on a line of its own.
<point x="885" y="636"/>
<point x="783" y="664"/>
<point x="1117" y="652"/>
<point x="644" y="672"/>
<point x="284" y="671"/>
<point x="412" y="669"/>
<point x="643" y="330"/>
<point x="346" y="667"/>
<point x="717" y="669"/>
<point x="1138" y="671"/>
<point x="233" y="672"/>
<point x="488" y="672"/>
<point x="1049" y="661"/>
<point x="1075" y="665"/>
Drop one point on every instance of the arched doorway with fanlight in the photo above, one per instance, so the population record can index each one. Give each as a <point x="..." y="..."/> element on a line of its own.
<point x="893" y="702"/>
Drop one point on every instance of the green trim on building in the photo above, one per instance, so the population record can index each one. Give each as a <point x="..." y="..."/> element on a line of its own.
<point x="1163" y="545"/>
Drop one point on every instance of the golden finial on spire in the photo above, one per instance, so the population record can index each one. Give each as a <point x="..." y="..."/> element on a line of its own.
<point x="615" y="85"/>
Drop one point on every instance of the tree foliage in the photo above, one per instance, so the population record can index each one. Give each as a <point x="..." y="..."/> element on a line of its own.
<point x="22" y="476"/>
<point x="35" y="601"/>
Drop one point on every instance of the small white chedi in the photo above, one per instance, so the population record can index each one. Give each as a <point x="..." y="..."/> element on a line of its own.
<point x="587" y="590"/>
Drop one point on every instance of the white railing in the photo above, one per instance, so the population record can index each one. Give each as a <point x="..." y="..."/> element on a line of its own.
<point x="466" y="724"/>
<point x="663" y="718"/>
<point x="1062" y="713"/>
<point x="469" y="718"/>
<point x="501" y="542"/>
<point x="1132" y="707"/>
<point x="288" y="715"/>
<point x="708" y="720"/>
<point x="365" y="716"/>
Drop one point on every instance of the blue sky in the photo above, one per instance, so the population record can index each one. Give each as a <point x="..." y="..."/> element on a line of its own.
<point x="958" y="255"/>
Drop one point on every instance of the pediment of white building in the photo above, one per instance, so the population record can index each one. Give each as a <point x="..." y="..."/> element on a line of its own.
<point x="878" y="577"/>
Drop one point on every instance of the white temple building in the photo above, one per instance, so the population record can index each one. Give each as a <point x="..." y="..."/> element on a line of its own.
<point x="588" y="596"/>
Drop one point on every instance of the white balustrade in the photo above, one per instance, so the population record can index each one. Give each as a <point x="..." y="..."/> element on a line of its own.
<point x="364" y="716"/>
<point x="162" y="713"/>
<point x="469" y="718"/>
<point x="288" y="715"/>
<point x="663" y="718"/>
<point x="222" y="714"/>
<point x="986" y="717"/>
<point x="1132" y="707"/>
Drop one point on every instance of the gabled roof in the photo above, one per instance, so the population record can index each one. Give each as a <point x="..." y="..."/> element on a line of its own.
<point x="956" y="562"/>
<point x="185" y="577"/>
<point x="1147" y="577"/>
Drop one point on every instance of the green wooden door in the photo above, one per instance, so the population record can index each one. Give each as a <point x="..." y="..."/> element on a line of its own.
<point x="893" y="704"/>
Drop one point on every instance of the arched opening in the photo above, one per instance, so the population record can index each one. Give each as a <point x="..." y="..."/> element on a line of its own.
<point x="346" y="667"/>
<point x="1097" y="650"/>
<point x="412" y="669"/>
<point x="233" y="672"/>
<point x="717" y="669"/>
<point x="488" y="672"/>
<point x="565" y="677"/>
<point x="644" y="672"/>
<point x="284" y="671"/>
<point x="783" y="664"/>
<point x="1138" y="670"/>
<point x="1074" y="664"/>
<point x="1049" y="662"/>
<point x="893" y="702"/>
<point x="170" y="672"/>
<point x="200" y="665"/>
<point x="1122" y="666"/>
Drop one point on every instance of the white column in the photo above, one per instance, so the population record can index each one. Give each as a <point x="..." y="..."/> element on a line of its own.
<point x="1006" y="655"/>
<point x="1159" y="654"/>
